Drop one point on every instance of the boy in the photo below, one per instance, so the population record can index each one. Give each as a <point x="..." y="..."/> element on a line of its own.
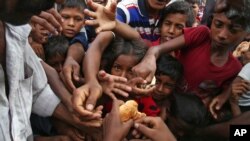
<point x="169" y="31"/>
<point x="212" y="49"/>
<point x="56" y="51"/>
<point x="196" y="7"/>
<point x="23" y="83"/>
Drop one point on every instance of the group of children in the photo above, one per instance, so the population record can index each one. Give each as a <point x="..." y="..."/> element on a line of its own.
<point x="196" y="76"/>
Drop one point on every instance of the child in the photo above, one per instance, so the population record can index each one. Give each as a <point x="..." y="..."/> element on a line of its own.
<point x="169" y="74"/>
<point x="210" y="49"/>
<point x="196" y="7"/>
<point x="72" y="13"/>
<point x="241" y="91"/>
<point x="56" y="51"/>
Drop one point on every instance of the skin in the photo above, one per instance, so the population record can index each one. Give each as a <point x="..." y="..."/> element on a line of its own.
<point x="56" y="62"/>
<point x="154" y="6"/>
<point x="123" y="66"/>
<point x="172" y="26"/>
<point x="73" y="21"/>
<point x="225" y="35"/>
<point x="163" y="87"/>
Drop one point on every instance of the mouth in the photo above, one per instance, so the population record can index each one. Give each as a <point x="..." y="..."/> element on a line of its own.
<point x="69" y="31"/>
<point x="166" y="38"/>
<point x="219" y="44"/>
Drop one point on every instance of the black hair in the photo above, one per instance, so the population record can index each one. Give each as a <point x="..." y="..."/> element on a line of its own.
<point x="56" y="45"/>
<point x="181" y="7"/>
<point x="190" y="109"/>
<point x="120" y="46"/>
<point x="170" y="66"/>
<point x="194" y="1"/>
<point x="237" y="11"/>
<point x="72" y="4"/>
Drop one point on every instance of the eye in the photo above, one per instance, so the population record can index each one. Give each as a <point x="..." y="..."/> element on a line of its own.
<point x="180" y="27"/>
<point x="116" y="67"/>
<point x="78" y="19"/>
<point x="65" y="17"/>
<point x="218" y="24"/>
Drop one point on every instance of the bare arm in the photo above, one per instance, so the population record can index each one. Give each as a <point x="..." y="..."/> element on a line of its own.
<point x="57" y="86"/>
<point x="146" y="68"/>
<point x="104" y="20"/>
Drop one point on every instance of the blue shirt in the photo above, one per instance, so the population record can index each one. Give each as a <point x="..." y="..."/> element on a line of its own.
<point x="80" y="38"/>
<point x="133" y="12"/>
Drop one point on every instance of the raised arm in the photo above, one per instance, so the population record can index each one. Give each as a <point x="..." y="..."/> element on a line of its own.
<point x="146" y="68"/>
<point x="104" y="20"/>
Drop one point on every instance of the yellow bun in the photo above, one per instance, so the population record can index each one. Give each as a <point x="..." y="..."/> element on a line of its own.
<point x="129" y="111"/>
<point x="242" y="47"/>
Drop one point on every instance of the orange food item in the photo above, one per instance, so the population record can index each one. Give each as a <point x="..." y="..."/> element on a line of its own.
<point x="129" y="110"/>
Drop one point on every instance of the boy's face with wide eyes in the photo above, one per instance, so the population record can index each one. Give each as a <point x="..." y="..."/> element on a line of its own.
<point x="226" y="34"/>
<point x="164" y="87"/>
<point x="73" y="21"/>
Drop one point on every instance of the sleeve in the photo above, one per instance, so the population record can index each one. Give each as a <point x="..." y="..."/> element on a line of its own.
<point x="44" y="99"/>
<point x="245" y="72"/>
<point x="80" y="38"/>
<point x="194" y="36"/>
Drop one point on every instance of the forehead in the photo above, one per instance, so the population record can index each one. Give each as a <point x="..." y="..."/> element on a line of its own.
<point x="73" y="10"/>
<point x="126" y="60"/>
<point x="177" y="17"/>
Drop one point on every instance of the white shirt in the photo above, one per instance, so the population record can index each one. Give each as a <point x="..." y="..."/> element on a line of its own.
<point x="28" y="87"/>
<point x="245" y="74"/>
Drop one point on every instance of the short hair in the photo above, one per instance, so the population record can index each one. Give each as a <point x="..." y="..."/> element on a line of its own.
<point x="72" y="4"/>
<point x="237" y="11"/>
<point x="120" y="46"/>
<point x="56" y="45"/>
<point x="170" y="66"/>
<point x="181" y="7"/>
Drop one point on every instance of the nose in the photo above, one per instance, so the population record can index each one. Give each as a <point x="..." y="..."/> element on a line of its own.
<point x="159" y="87"/>
<point x="71" y="22"/>
<point x="171" y="29"/>
<point x="223" y="34"/>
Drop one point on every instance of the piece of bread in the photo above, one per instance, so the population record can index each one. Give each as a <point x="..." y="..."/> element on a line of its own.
<point x="242" y="47"/>
<point x="129" y="110"/>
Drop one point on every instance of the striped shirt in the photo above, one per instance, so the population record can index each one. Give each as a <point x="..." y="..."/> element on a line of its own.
<point x="133" y="12"/>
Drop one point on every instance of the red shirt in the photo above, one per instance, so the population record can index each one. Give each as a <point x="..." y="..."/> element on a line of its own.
<point x="195" y="58"/>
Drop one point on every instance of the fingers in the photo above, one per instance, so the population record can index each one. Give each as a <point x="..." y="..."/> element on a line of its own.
<point x="76" y="72"/>
<point x="213" y="107"/>
<point x="67" y="74"/>
<point x="92" y="5"/>
<point x="50" y="20"/>
<point x="78" y="100"/>
<point x="144" y="129"/>
<point x="90" y="13"/>
<point x="143" y="92"/>
<point x="94" y="94"/>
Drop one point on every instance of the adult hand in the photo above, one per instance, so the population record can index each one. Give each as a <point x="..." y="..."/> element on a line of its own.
<point x="155" y="129"/>
<point x="112" y="85"/>
<point x="146" y="68"/>
<point x="112" y="123"/>
<point x="50" y="20"/>
<point x="38" y="49"/>
<point x="70" y="73"/>
<point x="103" y="17"/>
<point x="240" y="87"/>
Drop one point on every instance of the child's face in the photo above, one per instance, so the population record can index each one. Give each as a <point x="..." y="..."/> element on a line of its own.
<point x="73" y="21"/>
<point x="172" y="26"/>
<point x="56" y="62"/>
<point x="195" y="7"/>
<point x="123" y="66"/>
<point x="164" y="87"/>
<point x="157" y="4"/>
<point x="40" y="35"/>
<point x="225" y="34"/>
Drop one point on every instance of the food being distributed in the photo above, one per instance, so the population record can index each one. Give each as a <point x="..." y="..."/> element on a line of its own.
<point x="129" y="110"/>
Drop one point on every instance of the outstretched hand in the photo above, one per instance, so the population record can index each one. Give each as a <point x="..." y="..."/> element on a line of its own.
<point x="50" y="20"/>
<point x="113" y="85"/>
<point x="103" y="17"/>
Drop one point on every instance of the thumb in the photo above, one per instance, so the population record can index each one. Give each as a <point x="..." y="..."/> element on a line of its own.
<point x="143" y="129"/>
<point x="76" y="72"/>
<point x="92" y="99"/>
<point x="128" y="124"/>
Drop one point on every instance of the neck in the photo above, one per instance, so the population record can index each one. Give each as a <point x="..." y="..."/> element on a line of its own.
<point x="219" y="59"/>
<point x="152" y="12"/>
